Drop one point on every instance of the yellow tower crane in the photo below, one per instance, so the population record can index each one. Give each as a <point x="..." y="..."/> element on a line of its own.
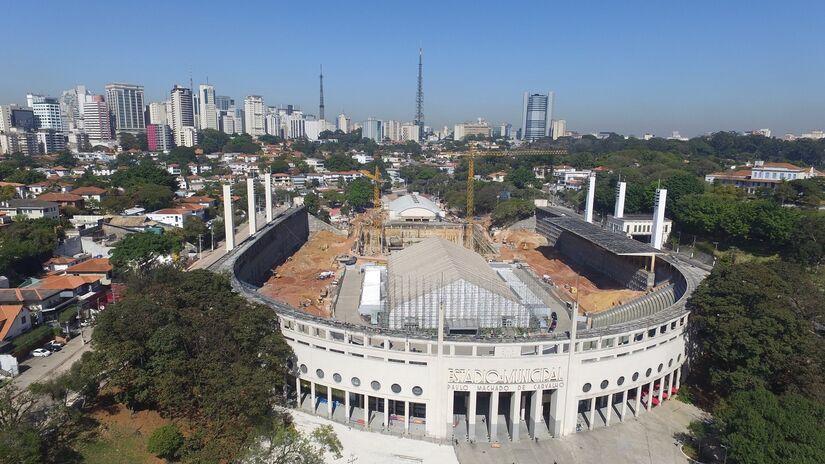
<point x="471" y="155"/>
<point x="376" y="187"/>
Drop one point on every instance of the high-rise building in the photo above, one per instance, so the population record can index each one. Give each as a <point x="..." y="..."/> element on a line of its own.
<point x="159" y="137"/>
<point x="273" y="122"/>
<point x="343" y="125"/>
<point x="297" y="124"/>
<point x="208" y="108"/>
<point x="254" y="115"/>
<point x="126" y="104"/>
<point x="182" y="115"/>
<point x="71" y="106"/>
<point x="222" y="102"/>
<point x="32" y="98"/>
<point x="559" y="128"/>
<point x="50" y="140"/>
<point x="537" y="113"/>
<point x="18" y="141"/>
<point x="465" y="129"/>
<point x="392" y="130"/>
<point x="313" y="128"/>
<point x="157" y="113"/>
<point x="96" y="120"/>
<point x="410" y="131"/>
<point x="22" y="118"/>
<point x="47" y="114"/>
<point x="373" y="130"/>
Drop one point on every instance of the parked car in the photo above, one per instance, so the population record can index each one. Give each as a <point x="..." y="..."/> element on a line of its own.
<point x="53" y="347"/>
<point x="41" y="353"/>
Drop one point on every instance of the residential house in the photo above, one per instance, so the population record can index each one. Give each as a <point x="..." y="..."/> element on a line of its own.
<point x="496" y="176"/>
<point x="39" y="188"/>
<point x="90" y="193"/>
<point x="60" y="263"/>
<point x="172" y="216"/>
<point x="761" y="175"/>
<point x="39" y="301"/>
<point x="206" y="202"/>
<point x="64" y="199"/>
<point x="20" y="190"/>
<point x="32" y="209"/>
<point x="97" y="267"/>
<point x="15" y="319"/>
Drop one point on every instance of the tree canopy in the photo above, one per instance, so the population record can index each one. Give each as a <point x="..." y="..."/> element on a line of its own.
<point x="25" y="244"/>
<point x="146" y="172"/>
<point x="144" y="250"/>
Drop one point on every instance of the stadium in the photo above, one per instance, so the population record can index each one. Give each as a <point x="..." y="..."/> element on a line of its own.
<point x="438" y="343"/>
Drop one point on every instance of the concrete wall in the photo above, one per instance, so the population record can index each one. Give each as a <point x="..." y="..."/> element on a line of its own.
<point x="275" y="242"/>
<point x="621" y="270"/>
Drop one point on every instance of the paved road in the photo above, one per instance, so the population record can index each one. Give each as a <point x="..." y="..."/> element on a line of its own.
<point x="209" y="257"/>
<point x="41" y="369"/>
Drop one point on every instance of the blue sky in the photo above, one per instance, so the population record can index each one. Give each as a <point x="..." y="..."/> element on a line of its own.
<point x="628" y="66"/>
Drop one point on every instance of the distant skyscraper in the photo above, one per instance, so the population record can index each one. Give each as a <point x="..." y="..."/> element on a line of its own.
<point x="373" y="130"/>
<point x="208" y="110"/>
<point x="47" y="114"/>
<point x="222" y="102"/>
<point x="536" y="115"/>
<point x="157" y="113"/>
<point x="182" y="115"/>
<point x="71" y="106"/>
<point x="159" y="137"/>
<point x="559" y="128"/>
<point x="392" y="130"/>
<point x="254" y="115"/>
<point x="410" y="131"/>
<point x="96" y="120"/>
<point x="343" y="125"/>
<point x="126" y="104"/>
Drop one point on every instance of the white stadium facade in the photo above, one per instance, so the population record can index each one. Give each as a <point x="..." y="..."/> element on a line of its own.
<point x="462" y="371"/>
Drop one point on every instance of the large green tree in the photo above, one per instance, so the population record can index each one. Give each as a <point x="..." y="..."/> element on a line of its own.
<point x="146" y="172"/>
<point x="212" y="140"/>
<point x="25" y="244"/>
<point x="144" y="250"/>
<point x="359" y="193"/>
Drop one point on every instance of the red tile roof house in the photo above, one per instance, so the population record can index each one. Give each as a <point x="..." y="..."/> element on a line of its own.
<point x="90" y="193"/>
<point x="96" y="267"/>
<point x="64" y="199"/>
<point x="206" y="202"/>
<point x="41" y="302"/>
<point x="15" y="319"/>
<point x="86" y="290"/>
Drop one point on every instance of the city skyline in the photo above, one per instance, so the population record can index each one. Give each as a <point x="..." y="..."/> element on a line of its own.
<point x="626" y="70"/>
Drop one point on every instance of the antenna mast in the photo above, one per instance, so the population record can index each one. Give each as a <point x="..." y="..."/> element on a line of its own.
<point x="419" y="97"/>
<point x="321" y="106"/>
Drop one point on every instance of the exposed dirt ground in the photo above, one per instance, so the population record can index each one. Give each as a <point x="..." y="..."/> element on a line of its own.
<point x="122" y="435"/>
<point x="296" y="281"/>
<point x="595" y="292"/>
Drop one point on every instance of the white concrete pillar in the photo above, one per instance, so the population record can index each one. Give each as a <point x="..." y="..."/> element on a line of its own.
<point x="536" y="412"/>
<point x="661" y="389"/>
<point x="591" y="414"/>
<point x="386" y="413"/>
<point x="329" y="402"/>
<point x="366" y="411"/>
<point x="670" y="385"/>
<point x="493" y="417"/>
<point x="450" y="414"/>
<point x="609" y="410"/>
<point x="515" y="414"/>
<point x="406" y="417"/>
<point x="471" y="417"/>
<point x="346" y="406"/>
<point x="624" y="405"/>
<point x="555" y="410"/>
<point x="268" y="196"/>
<point x="250" y="206"/>
<point x="228" y="218"/>
<point x="638" y="398"/>
<point x="678" y="376"/>
<point x="657" y="230"/>
<point x="312" y="395"/>
<point x="618" y="211"/>
<point x="591" y="196"/>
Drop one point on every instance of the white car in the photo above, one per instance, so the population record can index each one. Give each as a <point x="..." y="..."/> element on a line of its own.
<point x="41" y="353"/>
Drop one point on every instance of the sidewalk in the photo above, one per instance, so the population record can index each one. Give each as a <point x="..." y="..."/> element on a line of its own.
<point x="41" y="369"/>
<point x="209" y="257"/>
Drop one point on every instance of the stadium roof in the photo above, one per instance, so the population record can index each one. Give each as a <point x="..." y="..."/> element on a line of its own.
<point x="435" y="262"/>
<point x="615" y="243"/>
<point x="413" y="201"/>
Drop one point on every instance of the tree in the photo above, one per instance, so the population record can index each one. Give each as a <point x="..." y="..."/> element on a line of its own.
<point x="25" y="245"/>
<point x="242" y="144"/>
<point x="359" y="193"/>
<point x="185" y="345"/>
<point x="511" y="211"/>
<point x="146" y="172"/>
<point x="151" y="196"/>
<point x="143" y="250"/>
<point x="522" y="177"/>
<point x="128" y="141"/>
<point x="338" y="162"/>
<point x="165" y="442"/>
<point x="312" y="203"/>
<point x="142" y="141"/>
<point x="752" y="326"/>
<point x="807" y="241"/>
<point x="193" y="227"/>
<point x="279" y="165"/>
<point x="285" y="445"/>
<point x="212" y="140"/>
<point x="759" y="427"/>
<point x="65" y="159"/>
<point x="182" y="156"/>
<point x="270" y="139"/>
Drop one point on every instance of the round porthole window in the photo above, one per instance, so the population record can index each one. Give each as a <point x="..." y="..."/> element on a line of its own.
<point x="336" y="377"/>
<point x="635" y="376"/>
<point x="660" y="367"/>
<point x="604" y="384"/>
<point x="319" y="373"/>
<point x="620" y="381"/>
<point x="396" y="388"/>
<point x="356" y="381"/>
<point x="304" y="368"/>
<point x="376" y="385"/>
<point x="417" y="391"/>
<point x="649" y="371"/>
<point x="586" y="387"/>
